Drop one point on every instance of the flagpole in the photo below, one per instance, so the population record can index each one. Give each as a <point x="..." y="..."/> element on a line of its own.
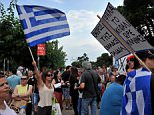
<point x="32" y="56"/>
<point x="38" y="61"/>
<point x="31" y="53"/>
<point x="122" y="41"/>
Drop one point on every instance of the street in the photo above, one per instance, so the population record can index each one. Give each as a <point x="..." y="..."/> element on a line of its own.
<point x="70" y="112"/>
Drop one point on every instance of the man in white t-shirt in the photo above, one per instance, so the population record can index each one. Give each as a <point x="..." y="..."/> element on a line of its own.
<point x="4" y="95"/>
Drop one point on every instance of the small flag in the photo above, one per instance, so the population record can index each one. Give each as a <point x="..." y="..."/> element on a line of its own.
<point x="41" y="24"/>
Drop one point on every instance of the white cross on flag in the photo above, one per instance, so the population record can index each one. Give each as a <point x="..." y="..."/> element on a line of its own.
<point x="41" y="24"/>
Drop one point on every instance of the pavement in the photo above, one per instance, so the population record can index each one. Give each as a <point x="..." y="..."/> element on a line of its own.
<point x="67" y="112"/>
<point x="71" y="112"/>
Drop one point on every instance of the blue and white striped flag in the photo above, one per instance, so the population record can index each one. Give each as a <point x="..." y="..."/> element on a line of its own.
<point x="137" y="96"/>
<point x="42" y="24"/>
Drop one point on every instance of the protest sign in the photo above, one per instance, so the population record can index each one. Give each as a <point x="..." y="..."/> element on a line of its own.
<point x="125" y="30"/>
<point x="117" y="35"/>
<point x="41" y="51"/>
<point x="109" y="41"/>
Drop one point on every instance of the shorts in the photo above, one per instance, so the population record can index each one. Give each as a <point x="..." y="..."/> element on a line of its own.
<point x="66" y="93"/>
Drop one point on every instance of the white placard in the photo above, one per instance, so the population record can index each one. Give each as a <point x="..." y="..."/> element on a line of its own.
<point x="125" y="30"/>
<point x="117" y="35"/>
<point x="109" y="41"/>
<point x="57" y="85"/>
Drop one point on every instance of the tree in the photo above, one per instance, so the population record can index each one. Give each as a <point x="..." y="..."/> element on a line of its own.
<point x="104" y="59"/>
<point x="54" y="57"/>
<point x="13" y="46"/>
<point x="78" y="62"/>
<point x="140" y="13"/>
<point x="12" y="41"/>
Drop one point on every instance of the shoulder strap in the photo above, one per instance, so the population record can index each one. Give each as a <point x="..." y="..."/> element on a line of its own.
<point x="28" y="87"/>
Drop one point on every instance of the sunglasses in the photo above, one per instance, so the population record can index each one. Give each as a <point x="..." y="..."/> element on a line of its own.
<point x="23" y="78"/>
<point x="2" y="84"/>
<point x="49" y="75"/>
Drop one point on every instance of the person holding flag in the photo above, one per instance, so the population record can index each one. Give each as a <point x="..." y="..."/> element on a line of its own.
<point x="41" y="24"/>
<point x="137" y="88"/>
<point x="46" y="91"/>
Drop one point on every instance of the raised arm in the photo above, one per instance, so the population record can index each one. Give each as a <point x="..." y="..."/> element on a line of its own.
<point x="38" y="75"/>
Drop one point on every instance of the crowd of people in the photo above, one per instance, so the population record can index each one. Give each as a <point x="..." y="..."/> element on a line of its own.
<point x="81" y="89"/>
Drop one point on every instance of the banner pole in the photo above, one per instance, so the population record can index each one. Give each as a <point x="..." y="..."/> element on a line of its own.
<point x="122" y="41"/>
<point x="31" y="53"/>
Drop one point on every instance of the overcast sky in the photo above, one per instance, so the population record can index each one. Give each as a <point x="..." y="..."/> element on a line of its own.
<point x="81" y="15"/>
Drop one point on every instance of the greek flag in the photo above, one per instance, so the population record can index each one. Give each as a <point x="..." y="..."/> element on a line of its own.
<point x="42" y="24"/>
<point x="137" y="96"/>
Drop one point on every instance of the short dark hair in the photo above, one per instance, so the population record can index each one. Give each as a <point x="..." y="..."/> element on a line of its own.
<point x="67" y="67"/>
<point x="2" y="74"/>
<point x="14" y="71"/>
<point x="56" y="73"/>
<point x="145" y="54"/>
<point x="104" y="66"/>
<point x="121" y="78"/>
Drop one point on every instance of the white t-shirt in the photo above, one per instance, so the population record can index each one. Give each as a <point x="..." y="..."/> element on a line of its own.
<point x="46" y="95"/>
<point x="80" y="93"/>
<point x="7" y="111"/>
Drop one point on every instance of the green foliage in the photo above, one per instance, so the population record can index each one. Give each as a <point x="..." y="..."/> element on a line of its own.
<point x="13" y="47"/>
<point x="140" y="13"/>
<point x="54" y="57"/>
<point x="104" y="59"/>
<point x="12" y="41"/>
<point x="78" y="62"/>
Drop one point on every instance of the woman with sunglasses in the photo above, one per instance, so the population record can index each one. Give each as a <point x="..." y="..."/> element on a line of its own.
<point x="22" y="94"/>
<point x="4" y="95"/>
<point x="46" y="91"/>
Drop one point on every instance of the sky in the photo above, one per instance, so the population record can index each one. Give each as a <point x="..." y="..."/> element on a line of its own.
<point x="82" y="18"/>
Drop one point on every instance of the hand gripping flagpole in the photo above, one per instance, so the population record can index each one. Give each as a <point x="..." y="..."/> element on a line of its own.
<point x="122" y="41"/>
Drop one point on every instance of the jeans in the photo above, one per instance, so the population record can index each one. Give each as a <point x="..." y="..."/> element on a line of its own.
<point x="35" y="100"/>
<point x="44" y="110"/>
<point x="79" y="106"/>
<point x="66" y="93"/>
<point x="93" y="105"/>
<point x="75" y="104"/>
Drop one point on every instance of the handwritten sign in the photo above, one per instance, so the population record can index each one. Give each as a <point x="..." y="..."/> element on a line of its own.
<point x="109" y="41"/>
<point x="125" y="30"/>
<point x="117" y="35"/>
